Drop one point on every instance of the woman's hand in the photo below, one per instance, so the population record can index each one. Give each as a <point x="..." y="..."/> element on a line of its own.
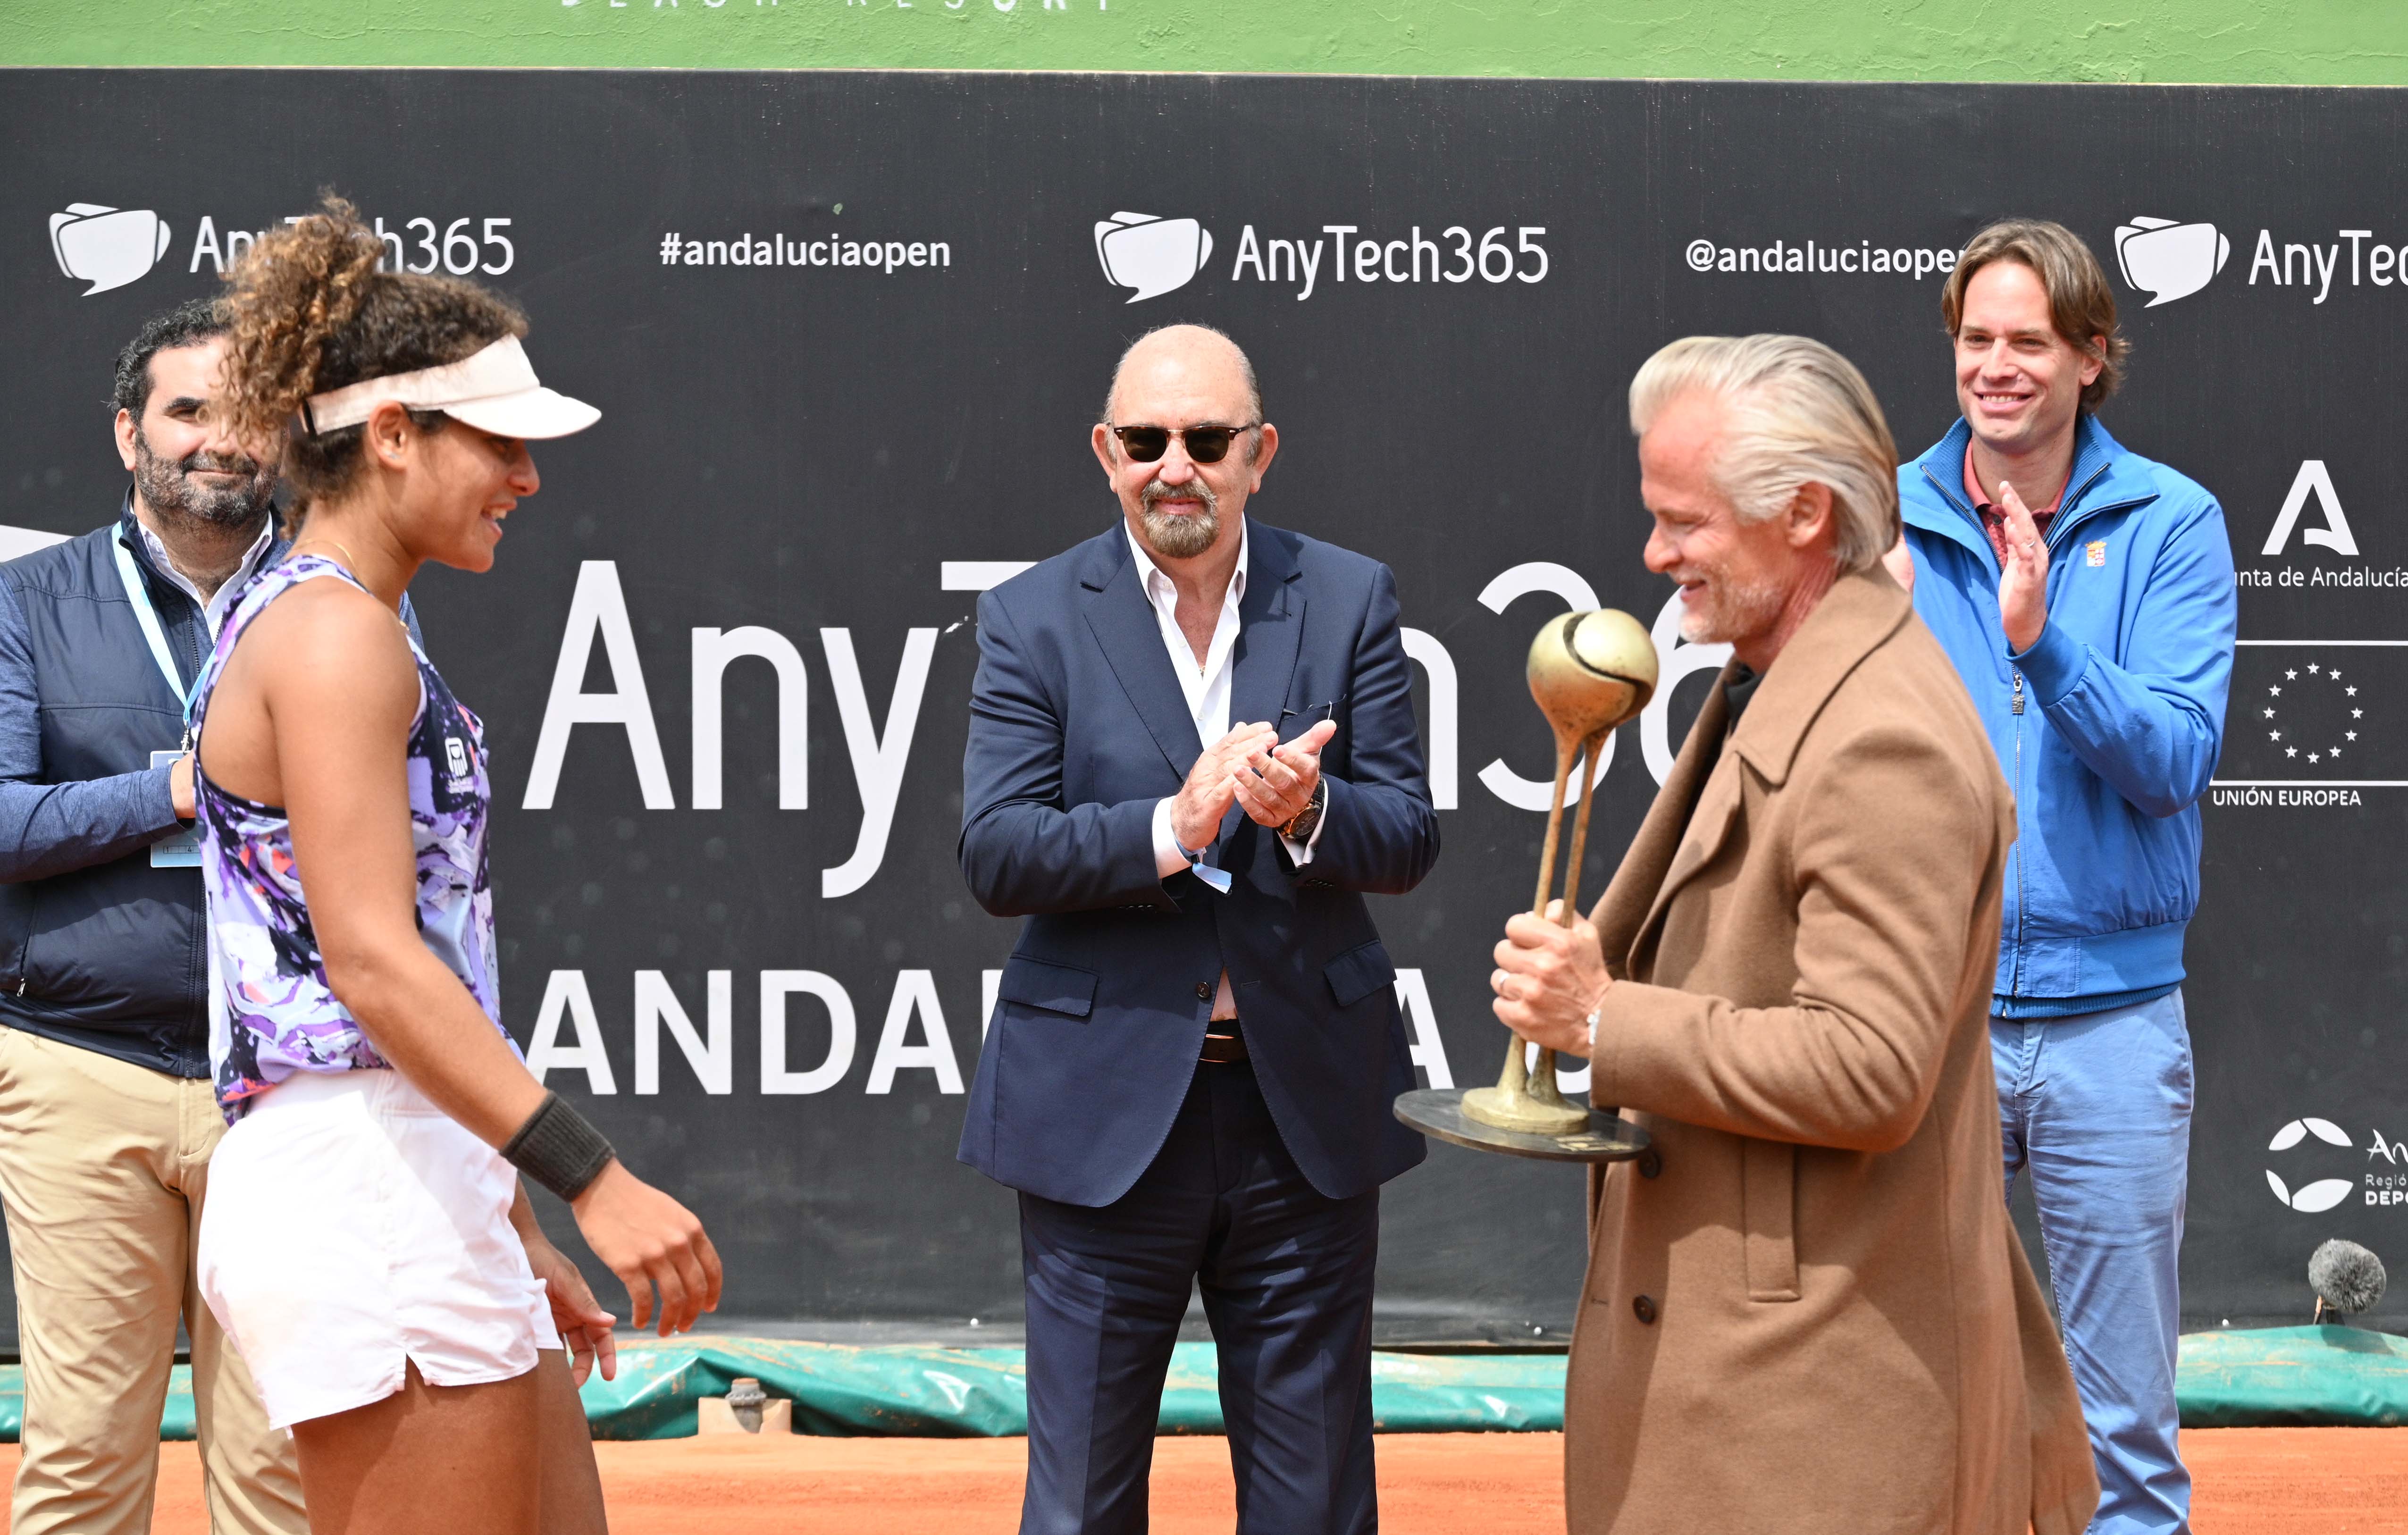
<point x="1548" y="979"/>
<point x="651" y="1242"/>
<point x="582" y="1323"/>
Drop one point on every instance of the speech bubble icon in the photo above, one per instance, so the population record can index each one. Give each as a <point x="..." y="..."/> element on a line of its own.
<point x="2169" y="260"/>
<point x="1150" y="254"/>
<point x="106" y="247"/>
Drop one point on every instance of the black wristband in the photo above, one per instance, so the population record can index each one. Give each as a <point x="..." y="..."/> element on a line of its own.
<point x="558" y="1148"/>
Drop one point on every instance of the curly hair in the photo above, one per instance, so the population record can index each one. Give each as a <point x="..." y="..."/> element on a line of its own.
<point x="308" y="310"/>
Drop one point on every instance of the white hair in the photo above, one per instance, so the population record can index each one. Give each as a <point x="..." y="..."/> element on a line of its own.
<point x="1799" y="414"/>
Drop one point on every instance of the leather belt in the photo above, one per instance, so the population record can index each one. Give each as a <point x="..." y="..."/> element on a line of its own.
<point x="1224" y="1043"/>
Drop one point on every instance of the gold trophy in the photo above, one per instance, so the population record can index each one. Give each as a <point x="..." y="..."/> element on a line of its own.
<point x="1589" y="672"/>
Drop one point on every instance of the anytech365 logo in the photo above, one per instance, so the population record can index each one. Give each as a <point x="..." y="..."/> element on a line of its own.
<point x="2323" y="1192"/>
<point x="1152" y="255"/>
<point x="2169" y="260"/>
<point x="106" y="247"/>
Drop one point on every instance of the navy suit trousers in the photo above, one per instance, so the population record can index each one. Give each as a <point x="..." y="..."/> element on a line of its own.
<point x="1285" y="1273"/>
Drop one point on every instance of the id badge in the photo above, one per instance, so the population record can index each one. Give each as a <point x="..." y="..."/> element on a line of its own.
<point x="183" y="850"/>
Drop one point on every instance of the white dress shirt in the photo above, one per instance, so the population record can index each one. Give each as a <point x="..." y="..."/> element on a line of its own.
<point x="1206" y="686"/>
<point x="214" y="607"/>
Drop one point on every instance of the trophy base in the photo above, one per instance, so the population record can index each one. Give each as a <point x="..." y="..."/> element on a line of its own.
<point x="1504" y="1111"/>
<point x="1599" y="1138"/>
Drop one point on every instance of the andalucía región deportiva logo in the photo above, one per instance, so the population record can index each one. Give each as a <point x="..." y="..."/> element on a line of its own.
<point x="2323" y="1192"/>
<point x="2377" y="1187"/>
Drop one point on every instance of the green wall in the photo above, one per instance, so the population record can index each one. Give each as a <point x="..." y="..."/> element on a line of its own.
<point x="2337" y="42"/>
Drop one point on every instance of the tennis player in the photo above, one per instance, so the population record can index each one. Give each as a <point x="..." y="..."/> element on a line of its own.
<point x="367" y="1244"/>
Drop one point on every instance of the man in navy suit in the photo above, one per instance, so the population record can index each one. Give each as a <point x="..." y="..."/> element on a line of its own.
<point x="1192" y="753"/>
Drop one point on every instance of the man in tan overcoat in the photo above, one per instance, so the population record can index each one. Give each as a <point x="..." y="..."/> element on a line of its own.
<point x="1807" y="1312"/>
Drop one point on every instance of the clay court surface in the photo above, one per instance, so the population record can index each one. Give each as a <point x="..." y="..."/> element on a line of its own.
<point x="2251" y="1482"/>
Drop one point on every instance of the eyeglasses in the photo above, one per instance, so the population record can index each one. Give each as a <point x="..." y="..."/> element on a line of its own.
<point x="1204" y="444"/>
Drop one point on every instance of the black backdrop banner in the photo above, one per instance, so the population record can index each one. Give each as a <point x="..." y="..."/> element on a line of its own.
<point x="847" y="331"/>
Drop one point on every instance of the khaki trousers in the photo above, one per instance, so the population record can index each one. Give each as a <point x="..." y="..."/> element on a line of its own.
<point x="103" y="1168"/>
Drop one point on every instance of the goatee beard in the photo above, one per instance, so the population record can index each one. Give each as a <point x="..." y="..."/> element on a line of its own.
<point x="1177" y="537"/>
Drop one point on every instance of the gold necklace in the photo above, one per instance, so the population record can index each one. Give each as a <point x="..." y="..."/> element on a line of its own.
<point x="351" y="561"/>
<point x="351" y="567"/>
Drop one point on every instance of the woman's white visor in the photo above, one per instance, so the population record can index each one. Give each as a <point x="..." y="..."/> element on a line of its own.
<point x="494" y="391"/>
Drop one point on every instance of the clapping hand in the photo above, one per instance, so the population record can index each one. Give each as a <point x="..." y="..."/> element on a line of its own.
<point x="1899" y="562"/>
<point x="1211" y="784"/>
<point x="2023" y="574"/>
<point x="1278" y="781"/>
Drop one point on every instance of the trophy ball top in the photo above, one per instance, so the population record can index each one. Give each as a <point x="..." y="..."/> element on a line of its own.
<point x="1590" y="671"/>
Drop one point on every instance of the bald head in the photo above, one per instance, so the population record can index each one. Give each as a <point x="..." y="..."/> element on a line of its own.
<point x="1187" y="502"/>
<point x="1193" y="361"/>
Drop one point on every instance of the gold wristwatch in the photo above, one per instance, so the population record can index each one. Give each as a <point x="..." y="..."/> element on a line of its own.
<point x="1301" y="827"/>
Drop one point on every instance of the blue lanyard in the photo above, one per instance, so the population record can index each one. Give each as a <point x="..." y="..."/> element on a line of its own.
<point x="138" y="591"/>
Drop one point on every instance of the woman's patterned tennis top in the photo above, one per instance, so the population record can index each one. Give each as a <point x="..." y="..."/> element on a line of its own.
<point x="278" y="1015"/>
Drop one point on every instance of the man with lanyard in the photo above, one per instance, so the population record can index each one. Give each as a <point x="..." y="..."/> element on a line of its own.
<point x="106" y="1118"/>
<point x="2085" y="595"/>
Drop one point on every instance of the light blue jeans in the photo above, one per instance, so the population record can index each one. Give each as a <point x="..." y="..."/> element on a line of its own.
<point x="2097" y="1108"/>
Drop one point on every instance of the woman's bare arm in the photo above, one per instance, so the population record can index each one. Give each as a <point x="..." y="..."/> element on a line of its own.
<point x="338" y="696"/>
<point x="316" y="708"/>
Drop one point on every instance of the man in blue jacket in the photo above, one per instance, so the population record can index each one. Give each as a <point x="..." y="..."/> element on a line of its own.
<point x="1192" y="753"/>
<point x="107" y="1117"/>
<point x="2085" y="595"/>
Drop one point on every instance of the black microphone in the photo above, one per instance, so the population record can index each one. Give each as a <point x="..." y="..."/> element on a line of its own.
<point x="2349" y="1280"/>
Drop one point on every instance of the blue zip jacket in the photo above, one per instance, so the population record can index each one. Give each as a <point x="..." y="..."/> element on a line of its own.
<point x="98" y="949"/>
<point x="2108" y="728"/>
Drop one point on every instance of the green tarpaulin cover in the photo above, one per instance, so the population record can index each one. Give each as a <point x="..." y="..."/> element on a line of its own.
<point x="2280" y="1376"/>
<point x="984" y="1391"/>
<point x="2293" y="1377"/>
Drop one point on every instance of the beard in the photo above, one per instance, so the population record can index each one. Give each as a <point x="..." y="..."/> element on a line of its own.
<point x="1171" y="535"/>
<point x="1732" y="611"/>
<point x="168" y="486"/>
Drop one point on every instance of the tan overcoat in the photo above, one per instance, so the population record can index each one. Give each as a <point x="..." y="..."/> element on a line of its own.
<point x="1808" y="1310"/>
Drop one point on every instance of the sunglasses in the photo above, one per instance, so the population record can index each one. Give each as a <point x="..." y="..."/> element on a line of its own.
<point x="1204" y="444"/>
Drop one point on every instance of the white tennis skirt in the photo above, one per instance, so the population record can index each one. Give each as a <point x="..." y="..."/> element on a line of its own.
<point x="352" y="1228"/>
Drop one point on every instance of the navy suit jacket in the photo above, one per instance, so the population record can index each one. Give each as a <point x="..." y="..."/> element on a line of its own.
<point x="1077" y="726"/>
